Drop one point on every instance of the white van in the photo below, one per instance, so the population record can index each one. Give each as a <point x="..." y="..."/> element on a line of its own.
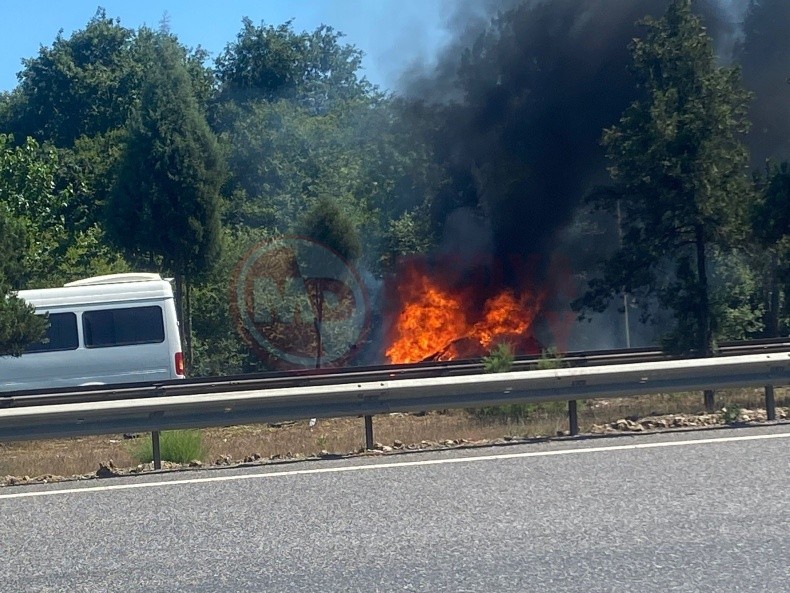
<point x="120" y="328"/>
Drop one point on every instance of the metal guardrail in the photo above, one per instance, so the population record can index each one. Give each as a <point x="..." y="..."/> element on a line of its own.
<point x="329" y="376"/>
<point x="217" y="407"/>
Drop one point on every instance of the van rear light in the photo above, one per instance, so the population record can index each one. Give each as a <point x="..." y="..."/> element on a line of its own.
<point x="179" y="363"/>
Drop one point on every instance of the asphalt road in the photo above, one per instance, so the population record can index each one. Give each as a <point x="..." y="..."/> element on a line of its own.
<point x="697" y="512"/>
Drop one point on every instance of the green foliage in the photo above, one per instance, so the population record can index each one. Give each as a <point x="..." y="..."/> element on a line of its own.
<point x="770" y="225"/>
<point x="217" y="349"/>
<point x="736" y="296"/>
<point x="166" y="197"/>
<point x="500" y="359"/>
<point x="326" y="224"/>
<point x="88" y="167"/>
<point x="679" y="171"/>
<point x="77" y="95"/>
<point x="283" y="158"/>
<point x="398" y="179"/>
<point x="88" y="254"/>
<point x="550" y="359"/>
<point x="297" y="127"/>
<point x="78" y="86"/>
<point x="27" y="189"/>
<point x="272" y="63"/>
<point x="88" y="84"/>
<point x="736" y="302"/>
<point x="306" y="144"/>
<point x="165" y="202"/>
<point x="771" y="213"/>
<point x="58" y="248"/>
<point x="299" y="124"/>
<point x="19" y="326"/>
<point x="408" y="234"/>
<point x="178" y="446"/>
<point x="730" y="414"/>
<point x="304" y="136"/>
<point x="13" y="250"/>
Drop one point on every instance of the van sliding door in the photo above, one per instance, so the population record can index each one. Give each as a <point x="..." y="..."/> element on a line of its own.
<point x="126" y="344"/>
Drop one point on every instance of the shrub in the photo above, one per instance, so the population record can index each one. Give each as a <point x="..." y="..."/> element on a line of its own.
<point x="500" y="359"/>
<point x="730" y="414"/>
<point x="178" y="446"/>
<point x="550" y="359"/>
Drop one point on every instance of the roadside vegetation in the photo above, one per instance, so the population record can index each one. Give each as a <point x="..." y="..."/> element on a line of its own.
<point x="282" y="133"/>
<point x="123" y="149"/>
<point x="500" y="360"/>
<point x="178" y="446"/>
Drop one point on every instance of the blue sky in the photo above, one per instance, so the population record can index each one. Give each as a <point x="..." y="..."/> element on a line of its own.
<point x="392" y="33"/>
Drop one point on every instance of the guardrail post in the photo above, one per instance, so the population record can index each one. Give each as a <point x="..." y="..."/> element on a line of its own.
<point x="573" y="418"/>
<point x="368" y="432"/>
<point x="155" y="450"/>
<point x="709" y="399"/>
<point x="770" y="402"/>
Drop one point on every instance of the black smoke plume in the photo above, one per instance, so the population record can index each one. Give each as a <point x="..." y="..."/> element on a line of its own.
<point x="764" y="54"/>
<point x="516" y="107"/>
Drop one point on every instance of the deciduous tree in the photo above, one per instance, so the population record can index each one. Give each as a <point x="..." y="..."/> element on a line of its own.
<point x="326" y="224"/>
<point x="81" y="85"/>
<point x="19" y="326"/>
<point x="87" y="84"/>
<point x="270" y="63"/>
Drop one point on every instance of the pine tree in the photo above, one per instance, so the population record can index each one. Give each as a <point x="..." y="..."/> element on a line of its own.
<point x="680" y="177"/>
<point x="166" y="199"/>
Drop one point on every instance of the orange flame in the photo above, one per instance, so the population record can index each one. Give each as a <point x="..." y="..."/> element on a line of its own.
<point x="435" y="323"/>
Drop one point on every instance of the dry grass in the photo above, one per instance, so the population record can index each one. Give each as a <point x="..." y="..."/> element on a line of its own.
<point x="344" y="435"/>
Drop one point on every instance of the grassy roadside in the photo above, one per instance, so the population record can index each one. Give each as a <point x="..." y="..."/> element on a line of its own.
<point x="80" y="456"/>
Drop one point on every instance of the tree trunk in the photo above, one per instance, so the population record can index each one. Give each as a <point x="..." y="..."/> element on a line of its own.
<point x="705" y="336"/>
<point x="318" y="321"/>
<point x="773" y="299"/>
<point x="181" y="316"/>
<point x="188" y="324"/>
<point x="622" y="290"/>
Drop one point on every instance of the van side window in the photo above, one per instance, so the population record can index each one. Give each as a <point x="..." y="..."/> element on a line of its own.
<point x="61" y="334"/>
<point x="122" y="327"/>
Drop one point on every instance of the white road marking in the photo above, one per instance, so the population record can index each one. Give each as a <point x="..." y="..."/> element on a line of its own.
<point x="396" y="465"/>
